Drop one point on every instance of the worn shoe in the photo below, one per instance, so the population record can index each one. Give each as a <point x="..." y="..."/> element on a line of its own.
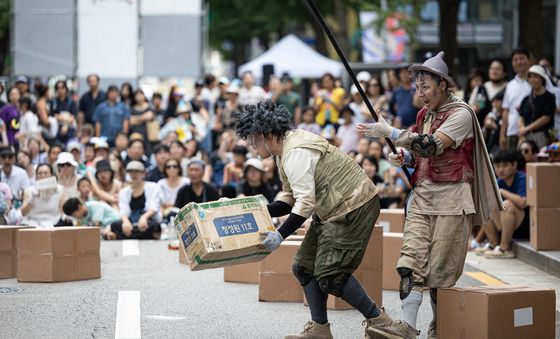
<point x="313" y="330"/>
<point x="483" y="249"/>
<point x="382" y="320"/>
<point x="498" y="253"/>
<point x="397" y="330"/>
<point x="432" y="330"/>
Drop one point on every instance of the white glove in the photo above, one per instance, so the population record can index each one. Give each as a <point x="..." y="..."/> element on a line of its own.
<point x="401" y="158"/>
<point x="271" y="240"/>
<point x="380" y="129"/>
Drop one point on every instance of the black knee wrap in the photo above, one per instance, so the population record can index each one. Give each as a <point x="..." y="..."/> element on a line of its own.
<point x="334" y="284"/>
<point x="433" y="295"/>
<point x="406" y="284"/>
<point x="302" y="275"/>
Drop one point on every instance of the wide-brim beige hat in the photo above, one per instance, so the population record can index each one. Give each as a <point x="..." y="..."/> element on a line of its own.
<point x="434" y="65"/>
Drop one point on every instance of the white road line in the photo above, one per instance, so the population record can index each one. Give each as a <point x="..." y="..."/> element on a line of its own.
<point x="130" y="248"/>
<point x="163" y="317"/>
<point x="128" y="315"/>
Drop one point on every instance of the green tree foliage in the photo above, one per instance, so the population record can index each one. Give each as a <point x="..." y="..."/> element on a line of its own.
<point x="4" y="34"/>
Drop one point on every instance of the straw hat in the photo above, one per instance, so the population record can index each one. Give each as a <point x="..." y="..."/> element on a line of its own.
<point x="434" y="65"/>
<point x="538" y="70"/>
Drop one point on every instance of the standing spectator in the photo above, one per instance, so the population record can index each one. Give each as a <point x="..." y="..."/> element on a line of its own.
<point x="402" y="100"/>
<point x="289" y="98"/>
<point x="231" y="106"/>
<point x="138" y="207"/>
<point x="308" y="121"/>
<point x="42" y="208"/>
<point x="221" y="101"/>
<point x="127" y="95"/>
<point x="516" y="90"/>
<point x="64" y="109"/>
<point x="157" y="107"/>
<point x="24" y="161"/>
<point x="197" y="191"/>
<point x="111" y="116"/>
<point x="220" y="157"/>
<point x="347" y="135"/>
<point x="2" y="89"/>
<point x="171" y="183"/>
<point x="49" y="123"/>
<point x="10" y="115"/>
<point x="492" y="123"/>
<point x="22" y="83"/>
<point x="254" y="181"/>
<point x="14" y="176"/>
<point x="375" y="93"/>
<point x="250" y="94"/>
<point x="29" y="122"/>
<point x="140" y="114"/>
<point x="328" y="101"/>
<point x="161" y="155"/>
<point x="536" y="114"/>
<point x="497" y="78"/>
<point x="90" y="100"/>
<point x="476" y="96"/>
<point x="501" y="226"/>
<point x="174" y="97"/>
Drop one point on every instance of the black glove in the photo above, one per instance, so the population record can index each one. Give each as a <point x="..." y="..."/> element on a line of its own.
<point x="278" y="208"/>
<point x="293" y="222"/>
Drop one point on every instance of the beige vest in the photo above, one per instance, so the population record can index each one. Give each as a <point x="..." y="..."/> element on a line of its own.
<point x="340" y="183"/>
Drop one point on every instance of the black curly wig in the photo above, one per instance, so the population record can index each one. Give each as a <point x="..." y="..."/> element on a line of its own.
<point x="263" y="118"/>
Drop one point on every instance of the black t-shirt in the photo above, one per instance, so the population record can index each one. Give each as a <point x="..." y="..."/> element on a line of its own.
<point x="154" y="175"/>
<point x="88" y="104"/>
<point x="57" y="105"/>
<point x="186" y="195"/>
<point x="263" y="189"/>
<point x="533" y="107"/>
<point x="137" y="208"/>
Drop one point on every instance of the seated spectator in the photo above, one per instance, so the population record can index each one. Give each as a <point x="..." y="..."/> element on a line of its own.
<point x="529" y="150"/>
<point x="117" y="164"/>
<point x="254" y="181"/>
<point x="161" y="155"/>
<point x="33" y="146"/>
<point x="197" y="191"/>
<point x="24" y="161"/>
<point x="182" y="124"/>
<point x="476" y="95"/>
<point x="375" y="149"/>
<point x="5" y="204"/>
<point x="14" y="176"/>
<point x="362" y="150"/>
<point x="536" y="113"/>
<point x="138" y="207"/>
<point x="102" y="149"/>
<point x="233" y="172"/>
<point x="220" y="157"/>
<point x="42" y="208"/>
<point x="92" y="213"/>
<point x="104" y="185"/>
<point x="369" y="164"/>
<point x="50" y="156"/>
<point x="75" y="149"/>
<point x="347" y="135"/>
<point x="271" y="175"/>
<point x="501" y="226"/>
<point x="67" y="177"/>
<point x="309" y="124"/>
<point x="135" y="152"/>
<point x="89" y="155"/>
<point x="121" y="144"/>
<point x="84" y="188"/>
<point x="171" y="183"/>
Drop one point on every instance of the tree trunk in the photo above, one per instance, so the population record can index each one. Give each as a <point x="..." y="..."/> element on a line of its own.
<point x="320" y="38"/>
<point x="530" y="26"/>
<point x="448" y="10"/>
<point x="341" y="30"/>
<point x="5" y="52"/>
<point x="239" y="55"/>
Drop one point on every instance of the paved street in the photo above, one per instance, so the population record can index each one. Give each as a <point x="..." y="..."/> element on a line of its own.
<point x="174" y="303"/>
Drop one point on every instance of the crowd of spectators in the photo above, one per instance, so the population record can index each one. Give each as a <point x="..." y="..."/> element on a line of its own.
<point x="126" y="162"/>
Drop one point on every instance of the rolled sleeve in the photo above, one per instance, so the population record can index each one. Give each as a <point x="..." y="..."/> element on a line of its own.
<point x="299" y="166"/>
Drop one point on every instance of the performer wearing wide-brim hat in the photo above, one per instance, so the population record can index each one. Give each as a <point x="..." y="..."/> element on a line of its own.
<point x="455" y="187"/>
<point x="318" y="180"/>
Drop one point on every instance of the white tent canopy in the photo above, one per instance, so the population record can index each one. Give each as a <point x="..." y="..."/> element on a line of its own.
<point x="293" y="56"/>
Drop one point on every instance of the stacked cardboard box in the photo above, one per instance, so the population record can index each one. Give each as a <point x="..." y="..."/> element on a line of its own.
<point x="58" y="254"/>
<point x="497" y="312"/>
<point x="8" y="253"/>
<point x="245" y="273"/>
<point x="392" y="243"/>
<point x="223" y="233"/>
<point x="392" y="220"/>
<point x="543" y="197"/>
<point x="369" y="274"/>
<point x="276" y="280"/>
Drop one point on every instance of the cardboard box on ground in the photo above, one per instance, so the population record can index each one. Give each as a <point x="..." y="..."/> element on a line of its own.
<point x="392" y="220"/>
<point x="496" y="312"/>
<point x="223" y="233"/>
<point x="545" y="228"/>
<point x="542" y="185"/>
<point x="8" y="251"/>
<point x="392" y="243"/>
<point x="276" y="280"/>
<point x="58" y="254"/>
<point x="369" y="274"/>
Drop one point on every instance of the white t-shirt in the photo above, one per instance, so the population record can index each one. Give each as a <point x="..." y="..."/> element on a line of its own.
<point x="251" y="96"/>
<point x="29" y="124"/>
<point x="169" y="194"/>
<point x="348" y="135"/>
<point x="516" y="90"/>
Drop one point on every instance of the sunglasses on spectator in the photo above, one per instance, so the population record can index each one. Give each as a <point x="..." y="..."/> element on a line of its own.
<point x="134" y="171"/>
<point x="7" y="156"/>
<point x="171" y="166"/>
<point x="525" y="150"/>
<point x="65" y="165"/>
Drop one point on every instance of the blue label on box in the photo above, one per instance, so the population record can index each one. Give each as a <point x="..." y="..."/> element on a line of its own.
<point x="236" y="224"/>
<point x="189" y="236"/>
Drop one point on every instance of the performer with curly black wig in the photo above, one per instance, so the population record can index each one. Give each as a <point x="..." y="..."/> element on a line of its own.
<point x="321" y="181"/>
